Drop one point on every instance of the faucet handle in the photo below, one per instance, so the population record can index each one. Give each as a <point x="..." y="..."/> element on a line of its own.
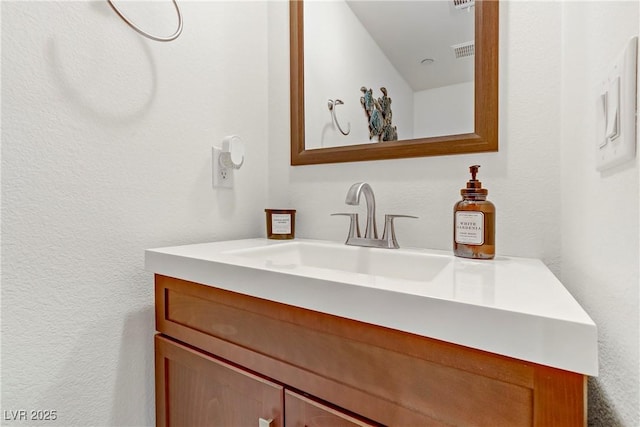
<point x="389" y="234"/>
<point x="354" y="227"/>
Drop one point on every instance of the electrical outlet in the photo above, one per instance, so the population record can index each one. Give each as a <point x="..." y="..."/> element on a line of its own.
<point x="222" y="176"/>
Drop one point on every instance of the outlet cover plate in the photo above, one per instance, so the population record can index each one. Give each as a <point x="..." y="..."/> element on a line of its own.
<point x="222" y="176"/>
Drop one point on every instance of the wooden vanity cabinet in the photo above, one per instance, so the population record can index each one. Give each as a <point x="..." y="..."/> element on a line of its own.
<point x="197" y="389"/>
<point x="222" y="354"/>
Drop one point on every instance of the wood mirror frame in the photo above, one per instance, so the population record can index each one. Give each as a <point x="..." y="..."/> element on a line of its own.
<point x="483" y="139"/>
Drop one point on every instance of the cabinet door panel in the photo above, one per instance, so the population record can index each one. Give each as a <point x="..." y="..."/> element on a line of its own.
<point x="194" y="389"/>
<point x="304" y="412"/>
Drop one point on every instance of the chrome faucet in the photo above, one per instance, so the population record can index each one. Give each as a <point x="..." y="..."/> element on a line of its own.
<point x="353" y="199"/>
<point x="370" y="238"/>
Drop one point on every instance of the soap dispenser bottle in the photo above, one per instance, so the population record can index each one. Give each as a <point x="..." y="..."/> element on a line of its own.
<point x="474" y="221"/>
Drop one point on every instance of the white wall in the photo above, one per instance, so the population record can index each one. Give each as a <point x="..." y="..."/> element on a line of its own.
<point x="340" y="59"/>
<point x="446" y="110"/>
<point x="600" y="216"/>
<point x="106" y="146"/>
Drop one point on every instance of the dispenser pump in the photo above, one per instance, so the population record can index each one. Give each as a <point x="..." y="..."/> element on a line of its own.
<point x="473" y="185"/>
<point x="474" y="170"/>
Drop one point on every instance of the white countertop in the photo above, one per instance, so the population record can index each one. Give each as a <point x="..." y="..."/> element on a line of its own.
<point x="510" y="306"/>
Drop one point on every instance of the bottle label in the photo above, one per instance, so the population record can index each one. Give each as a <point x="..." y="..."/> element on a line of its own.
<point x="469" y="227"/>
<point x="281" y="223"/>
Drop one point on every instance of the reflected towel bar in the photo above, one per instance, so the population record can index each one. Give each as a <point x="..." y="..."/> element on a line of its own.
<point x="332" y="108"/>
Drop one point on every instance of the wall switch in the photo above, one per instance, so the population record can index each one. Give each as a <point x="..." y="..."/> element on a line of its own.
<point x="616" y="111"/>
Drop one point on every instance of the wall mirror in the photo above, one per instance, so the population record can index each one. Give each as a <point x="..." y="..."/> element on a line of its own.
<point x="348" y="97"/>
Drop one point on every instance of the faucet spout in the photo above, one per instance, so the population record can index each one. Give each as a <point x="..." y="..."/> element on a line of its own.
<point x="353" y="198"/>
<point x="370" y="239"/>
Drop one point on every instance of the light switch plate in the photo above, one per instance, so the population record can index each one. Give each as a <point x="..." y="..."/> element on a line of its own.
<point x="616" y="111"/>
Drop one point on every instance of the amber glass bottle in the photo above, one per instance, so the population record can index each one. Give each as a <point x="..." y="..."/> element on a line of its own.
<point x="474" y="219"/>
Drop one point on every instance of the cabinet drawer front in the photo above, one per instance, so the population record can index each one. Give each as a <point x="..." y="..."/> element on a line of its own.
<point x="193" y="389"/>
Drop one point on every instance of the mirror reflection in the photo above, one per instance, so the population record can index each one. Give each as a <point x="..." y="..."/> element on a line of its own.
<point x="387" y="70"/>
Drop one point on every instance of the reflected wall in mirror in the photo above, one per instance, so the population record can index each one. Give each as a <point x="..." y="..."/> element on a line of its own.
<point x="463" y="120"/>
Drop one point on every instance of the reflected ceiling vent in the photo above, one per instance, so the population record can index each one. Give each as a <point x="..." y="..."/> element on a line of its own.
<point x="465" y="49"/>
<point x="464" y="4"/>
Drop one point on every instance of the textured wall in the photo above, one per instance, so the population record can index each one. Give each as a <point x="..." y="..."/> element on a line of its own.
<point x="600" y="246"/>
<point x="106" y="146"/>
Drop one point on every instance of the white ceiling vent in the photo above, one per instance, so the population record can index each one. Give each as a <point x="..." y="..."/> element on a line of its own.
<point x="465" y="49"/>
<point x="463" y="4"/>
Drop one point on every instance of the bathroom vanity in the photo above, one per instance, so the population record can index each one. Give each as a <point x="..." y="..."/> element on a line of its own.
<point x="309" y="333"/>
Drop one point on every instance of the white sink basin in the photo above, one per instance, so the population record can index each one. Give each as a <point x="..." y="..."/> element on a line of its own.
<point x="405" y="264"/>
<point x="510" y="306"/>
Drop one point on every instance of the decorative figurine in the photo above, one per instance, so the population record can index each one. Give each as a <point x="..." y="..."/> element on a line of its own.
<point x="379" y="115"/>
